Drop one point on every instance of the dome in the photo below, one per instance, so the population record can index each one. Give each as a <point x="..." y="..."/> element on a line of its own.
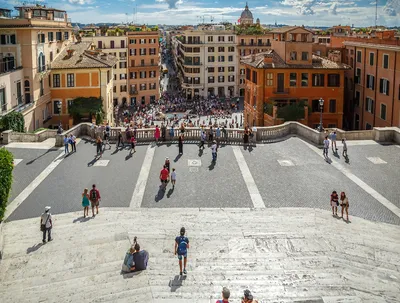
<point x="246" y="14"/>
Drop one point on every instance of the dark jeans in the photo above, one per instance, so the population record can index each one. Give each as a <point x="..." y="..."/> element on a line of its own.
<point x="48" y="234"/>
<point x="201" y="144"/>
<point x="73" y="147"/>
<point x="99" y="148"/>
<point x="180" y="148"/>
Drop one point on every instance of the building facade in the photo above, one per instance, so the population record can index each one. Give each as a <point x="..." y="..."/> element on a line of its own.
<point x="116" y="46"/>
<point x="373" y="84"/>
<point x="30" y="42"/>
<point x="207" y="61"/>
<point x="143" y="67"/>
<point x="290" y="74"/>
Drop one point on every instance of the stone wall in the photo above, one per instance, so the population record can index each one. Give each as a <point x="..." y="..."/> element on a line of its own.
<point x="11" y="136"/>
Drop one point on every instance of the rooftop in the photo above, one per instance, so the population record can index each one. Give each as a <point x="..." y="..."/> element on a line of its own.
<point x="318" y="62"/>
<point x="285" y="29"/>
<point x="79" y="55"/>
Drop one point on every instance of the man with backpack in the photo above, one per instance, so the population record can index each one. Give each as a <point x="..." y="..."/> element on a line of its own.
<point x="181" y="247"/>
<point x="95" y="199"/>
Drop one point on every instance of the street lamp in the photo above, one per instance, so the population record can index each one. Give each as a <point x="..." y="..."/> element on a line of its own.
<point x="59" y="105"/>
<point x="321" y="106"/>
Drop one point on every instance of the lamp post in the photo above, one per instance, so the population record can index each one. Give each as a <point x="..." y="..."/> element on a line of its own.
<point x="321" y="106"/>
<point x="59" y="106"/>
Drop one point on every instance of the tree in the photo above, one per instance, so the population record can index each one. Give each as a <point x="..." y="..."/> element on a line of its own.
<point x="13" y="121"/>
<point x="6" y="168"/>
<point x="83" y="106"/>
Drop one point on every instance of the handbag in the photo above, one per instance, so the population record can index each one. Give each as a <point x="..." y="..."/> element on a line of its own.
<point x="43" y="226"/>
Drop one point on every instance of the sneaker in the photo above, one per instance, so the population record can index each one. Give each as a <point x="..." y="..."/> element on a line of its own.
<point x="184" y="271"/>
<point x="180" y="273"/>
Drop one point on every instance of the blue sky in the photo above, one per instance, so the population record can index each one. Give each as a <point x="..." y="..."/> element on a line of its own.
<point x="293" y="12"/>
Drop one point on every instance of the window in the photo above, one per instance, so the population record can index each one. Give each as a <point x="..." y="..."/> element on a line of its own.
<point x="3" y="103"/>
<point x="143" y="86"/>
<point x="210" y="79"/>
<point x="231" y="78"/>
<point x="132" y="75"/>
<point x="142" y="62"/>
<point x="371" y="58"/>
<point x="221" y="79"/>
<point x="152" y="74"/>
<point x="152" y="62"/>
<point x="66" y="35"/>
<point x="333" y="80"/>
<point x="211" y="59"/>
<point x="293" y="55"/>
<point x="152" y="51"/>
<point x="318" y="80"/>
<point x="358" y="76"/>
<point x="230" y="58"/>
<point x="221" y="69"/>
<point x="221" y="49"/>
<point x="359" y="56"/>
<point x="132" y="52"/>
<point x="58" y="36"/>
<point x="152" y="86"/>
<point x="385" y="61"/>
<point x="122" y="76"/>
<point x="122" y="65"/>
<point x="122" y="43"/>
<point x="231" y="49"/>
<point x="304" y="56"/>
<point x="122" y="55"/>
<point x="51" y="56"/>
<point x="315" y="106"/>
<point x="142" y="41"/>
<point x="247" y="74"/>
<point x="221" y="58"/>
<point x="122" y="88"/>
<point x="211" y="49"/>
<point x="7" y="39"/>
<point x="41" y="38"/>
<point x="332" y="106"/>
<point x="56" y="109"/>
<point x="370" y="82"/>
<point x="231" y="68"/>
<point x="211" y="69"/>
<point x="357" y="98"/>
<point x="210" y="38"/>
<point x="384" y="86"/>
<point x="41" y="63"/>
<point x="304" y="80"/>
<point x="270" y="79"/>
<point x="132" y="41"/>
<point x="50" y="36"/>
<point x="230" y="38"/>
<point x="114" y="89"/>
<point x="70" y="80"/>
<point x="254" y="78"/>
<point x="383" y="111"/>
<point x="142" y="75"/>
<point x="293" y="79"/>
<point x="143" y="52"/>
<point x="369" y="105"/>
<point x="56" y="80"/>
<point x="221" y="38"/>
<point x="108" y="76"/>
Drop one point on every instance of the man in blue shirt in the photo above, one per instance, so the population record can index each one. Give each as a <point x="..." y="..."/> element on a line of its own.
<point x="333" y="139"/>
<point x="138" y="259"/>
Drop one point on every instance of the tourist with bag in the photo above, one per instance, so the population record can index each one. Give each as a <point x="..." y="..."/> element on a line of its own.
<point x="95" y="198"/>
<point x="181" y="247"/>
<point x="46" y="224"/>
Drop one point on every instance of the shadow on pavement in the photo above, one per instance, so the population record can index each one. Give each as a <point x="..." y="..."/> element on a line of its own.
<point x="170" y="192"/>
<point x="201" y="151"/>
<point x="48" y="151"/>
<point x="34" y="248"/>
<point x="130" y="275"/>
<point x="92" y="162"/>
<point x="82" y="219"/>
<point x="160" y="195"/>
<point x="212" y="165"/>
<point x="177" y="158"/>
<point x="176" y="282"/>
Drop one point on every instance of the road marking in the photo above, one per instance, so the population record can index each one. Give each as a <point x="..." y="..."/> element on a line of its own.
<point x="248" y="179"/>
<point x="101" y="163"/>
<point x="376" y="160"/>
<point x="285" y="163"/>
<point x="368" y="189"/>
<point x="138" y="193"/>
<point x="194" y="162"/>
<point x="17" y="161"/>
<point x="32" y="186"/>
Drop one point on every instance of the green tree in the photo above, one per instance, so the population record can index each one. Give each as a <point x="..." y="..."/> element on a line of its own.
<point x="89" y="106"/>
<point x="13" y="121"/>
<point x="6" y="168"/>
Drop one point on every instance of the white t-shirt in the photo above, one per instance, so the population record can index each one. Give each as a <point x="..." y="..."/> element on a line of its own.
<point x="326" y="143"/>
<point x="45" y="220"/>
<point x="173" y="175"/>
<point x="214" y="148"/>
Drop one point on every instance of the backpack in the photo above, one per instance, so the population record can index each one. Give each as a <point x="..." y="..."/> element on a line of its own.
<point x="93" y="195"/>
<point x="107" y="128"/>
<point x="182" y="246"/>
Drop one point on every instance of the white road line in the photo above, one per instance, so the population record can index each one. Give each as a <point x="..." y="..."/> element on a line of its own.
<point x="248" y="179"/>
<point x="138" y="193"/>
<point x="345" y="171"/>
<point x="32" y="186"/>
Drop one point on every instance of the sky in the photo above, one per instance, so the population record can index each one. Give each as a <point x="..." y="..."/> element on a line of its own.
<point x="292" y="12"/>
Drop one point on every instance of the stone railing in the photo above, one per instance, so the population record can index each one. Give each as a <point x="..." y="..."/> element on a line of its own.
<point x="11" y="136"/>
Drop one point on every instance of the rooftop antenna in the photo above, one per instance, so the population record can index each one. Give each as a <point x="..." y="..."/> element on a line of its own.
<point x="376" y="13"/>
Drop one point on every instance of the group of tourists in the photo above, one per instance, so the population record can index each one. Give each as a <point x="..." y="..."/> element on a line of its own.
<point x="166" y="175"/>
<point x="343" y="201"/>
<point x="69" y="140"/>
<point x="332" y="137"/>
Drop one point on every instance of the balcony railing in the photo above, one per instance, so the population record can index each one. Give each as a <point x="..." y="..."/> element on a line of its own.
<point x="9" y="66"/>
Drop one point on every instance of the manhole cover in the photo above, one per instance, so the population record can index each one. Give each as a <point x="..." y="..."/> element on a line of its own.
<point x="193" y="169"/>
<point x="196" y="163"/>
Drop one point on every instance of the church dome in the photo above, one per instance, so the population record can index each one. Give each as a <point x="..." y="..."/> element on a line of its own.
<point x="246" y="14"/>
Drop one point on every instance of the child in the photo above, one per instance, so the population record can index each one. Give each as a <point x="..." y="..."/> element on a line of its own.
<point x="133" y="141"/>
<point x="167" y="164"/>
<point x="173" y="177"/>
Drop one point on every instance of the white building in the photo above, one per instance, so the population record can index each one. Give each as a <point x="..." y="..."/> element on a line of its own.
<point x="207" y="62"/>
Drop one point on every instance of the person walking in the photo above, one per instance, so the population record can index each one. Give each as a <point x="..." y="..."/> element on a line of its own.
<point x="46" y="224"/>
<point x="133" y="144"/>
<point x="333" y="139"/>
<point x="180" y="144"/>
<point x="167" y="163"/>
<point x="254" y="135"/>
<point x="73" y="140"/>
<point x="248" y="297"/>
<point x="95" y="199"/>
<point x="173" y="178"/>
<point x="120" y="140"/>
<point x="344" y="203"/>
<point x="202" y="139"/>
<point x="218" y="135"/>
<point x="344" y="143"/>
<point x="214" y="149"/>
<point x="334" y="202"/>
<point x="164" y="176"/>
<point x="211" y="134"/>
<point x="157" y="134"/>
<point x="225" y="296"/>
<point x="163" y="131"/>
<point x="66" y="142"/>
<point x="107" y="134"/>
<point x="85" y="202"/>
<point x="181" y="248"/>
<point x="172" y="131"/>
<point x="225" y="134"/>
<point x="246" y="136"/>
<point x="99" y="146"/>
<point x="326" y="147"/>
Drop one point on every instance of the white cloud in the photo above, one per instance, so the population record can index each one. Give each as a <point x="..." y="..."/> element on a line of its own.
<point x="333" y="8"/>
<point x="81" y="2"/>
<point x="392" y="7"/>
<point x="304" y="7"/>
<point x="172" y="4"/>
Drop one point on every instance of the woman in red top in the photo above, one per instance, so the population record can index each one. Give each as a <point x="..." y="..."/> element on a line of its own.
<point x="157" y="133"/>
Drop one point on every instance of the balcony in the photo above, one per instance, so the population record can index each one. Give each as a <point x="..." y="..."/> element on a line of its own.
<point x="9" y="66"/>
<point x="133" y="92"/>
<point x="281" y="91"/>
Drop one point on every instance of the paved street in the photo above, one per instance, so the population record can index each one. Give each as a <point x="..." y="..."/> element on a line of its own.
<point x="285" y="174"/>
